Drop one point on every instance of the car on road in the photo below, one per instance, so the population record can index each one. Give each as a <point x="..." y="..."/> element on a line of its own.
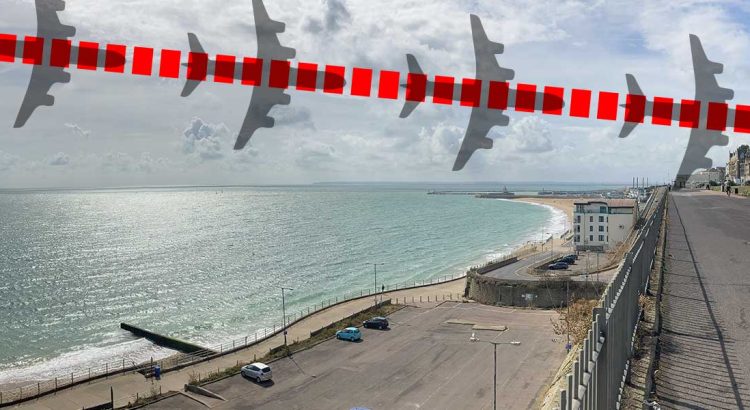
<point x="260" y="372"/>
<point x="376" y="323"/>
<point x="558" y="266"/>
<point x="350" y="333"/>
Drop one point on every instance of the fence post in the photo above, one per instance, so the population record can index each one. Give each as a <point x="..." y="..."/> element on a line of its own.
<point x="71" y="378"/>
<point x="106" y="367"/>
<point x="89" y="373"/>
<point x="245" y="340"/>
<point x="19" y="389"/>
<point x="38" y="388"/>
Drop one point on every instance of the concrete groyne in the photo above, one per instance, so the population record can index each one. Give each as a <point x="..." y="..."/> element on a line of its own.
<point x="163" y="340"/>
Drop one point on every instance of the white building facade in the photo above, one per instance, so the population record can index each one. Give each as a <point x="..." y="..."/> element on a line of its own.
<point x="601" y="225"/>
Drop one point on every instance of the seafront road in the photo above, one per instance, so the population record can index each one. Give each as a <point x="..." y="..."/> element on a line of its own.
<point x="127" y="385"/>
<point x="705" y="337"/>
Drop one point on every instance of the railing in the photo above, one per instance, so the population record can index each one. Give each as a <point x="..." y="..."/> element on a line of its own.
<point x="176" y="361"/>
<point x="599" y="373"/>
<point x="67" y="380"/>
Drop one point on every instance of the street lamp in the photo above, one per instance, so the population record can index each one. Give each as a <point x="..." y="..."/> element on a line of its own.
<point x="375" y="269"/>
<point x="494" y="377"/>
<point x="283" y="312"/>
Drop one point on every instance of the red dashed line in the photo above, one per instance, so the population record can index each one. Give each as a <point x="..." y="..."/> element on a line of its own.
<point x="443" y="88"/>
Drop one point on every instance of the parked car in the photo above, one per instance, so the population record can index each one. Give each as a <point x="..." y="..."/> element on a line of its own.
<point x="558" y="266"/>
<point x="350" y="333"/>
<point x="568" y="259"/>
<point x="572" y="256"/>
<point x="260" y="372"/>
<point x="376" y="323"/>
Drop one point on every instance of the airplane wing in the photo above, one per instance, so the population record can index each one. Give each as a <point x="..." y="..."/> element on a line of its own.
<point x="706" y="89"/>
<point x="482" y="118"/>
<point x="264" y="97"/>
<point x="43" y="77"/>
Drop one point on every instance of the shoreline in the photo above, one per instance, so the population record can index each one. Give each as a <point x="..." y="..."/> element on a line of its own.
<point x="565" y="205"/>
<point x="30" y="373"/>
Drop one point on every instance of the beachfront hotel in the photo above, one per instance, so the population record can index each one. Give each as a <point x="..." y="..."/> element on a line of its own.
<point x="601" y="225"/>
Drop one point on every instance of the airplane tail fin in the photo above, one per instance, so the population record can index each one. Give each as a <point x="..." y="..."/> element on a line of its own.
<point x="633" y="89"/>
<point x="410" y="106"/>
<point x="195" y="47"/>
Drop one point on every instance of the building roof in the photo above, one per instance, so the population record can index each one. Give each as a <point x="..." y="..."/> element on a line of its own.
<point x="612" y="203"/>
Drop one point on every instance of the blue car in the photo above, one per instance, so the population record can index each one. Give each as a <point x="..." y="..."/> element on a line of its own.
<point x="350" y="333"/>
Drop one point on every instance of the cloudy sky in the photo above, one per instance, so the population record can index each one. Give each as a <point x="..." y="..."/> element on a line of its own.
<point x="120" y="130"/>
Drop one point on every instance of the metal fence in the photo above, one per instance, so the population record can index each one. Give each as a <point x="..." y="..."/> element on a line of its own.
<point x="599" y="373"/>
<point x="123" y="365"/>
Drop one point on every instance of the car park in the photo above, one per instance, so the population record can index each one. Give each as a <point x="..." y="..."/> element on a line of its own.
<point x="376" y="323"/>
<point x="558" y="266"/>
<point x="260" y="372"/>
<point x="350" y="333"/>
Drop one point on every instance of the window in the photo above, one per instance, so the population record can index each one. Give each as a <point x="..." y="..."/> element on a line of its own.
<point x="591" y="219"/>
<point x="591" y="228"/>
<point x="578" y="218"/>
<point x="601" y="219"/>
<point x="601" y="228"/>
<point x="578" y="238"/>
<point x="591" y="238"/>
<point x="603" y="209"/>
<point x="578" y="228"/>
<point x="601" y="238"/>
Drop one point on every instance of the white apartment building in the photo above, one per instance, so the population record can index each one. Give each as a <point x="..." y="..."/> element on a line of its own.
<point x="601" y="225"/>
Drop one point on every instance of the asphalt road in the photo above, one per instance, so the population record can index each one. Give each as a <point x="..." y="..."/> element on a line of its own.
<point x="518" y="270"/>
<point x="705" y="339"/>
<point x="422" y="362"/>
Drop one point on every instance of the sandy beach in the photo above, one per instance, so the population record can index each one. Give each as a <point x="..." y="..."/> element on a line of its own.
<point x="566" y="205"/>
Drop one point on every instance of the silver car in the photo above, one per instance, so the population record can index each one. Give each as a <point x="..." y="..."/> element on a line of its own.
<point x="259" y="372"/>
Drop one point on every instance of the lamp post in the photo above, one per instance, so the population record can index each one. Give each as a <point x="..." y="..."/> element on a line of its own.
<point x="494" y="377"/>
<point x="283" y="313"/>
<point x="375" y="270"/>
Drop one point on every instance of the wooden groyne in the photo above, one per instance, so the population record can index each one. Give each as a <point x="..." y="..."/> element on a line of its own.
<point x="163" y="340"/>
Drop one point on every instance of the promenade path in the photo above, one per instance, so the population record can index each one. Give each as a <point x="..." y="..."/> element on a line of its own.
<point x="126" y="386"/>
<point x="705" y="337"/>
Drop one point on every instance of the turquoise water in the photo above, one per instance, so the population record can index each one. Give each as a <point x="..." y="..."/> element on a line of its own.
<point x="206" y="264"/>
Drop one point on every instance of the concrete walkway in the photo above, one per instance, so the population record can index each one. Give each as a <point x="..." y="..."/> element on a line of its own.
<point x="127" y="386"/>
<point x="705" y="337"/>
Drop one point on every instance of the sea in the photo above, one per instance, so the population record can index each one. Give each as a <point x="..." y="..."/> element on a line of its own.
<point x="206" y="264"/>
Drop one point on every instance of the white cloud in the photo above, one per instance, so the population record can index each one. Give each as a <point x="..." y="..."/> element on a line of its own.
<point x="7" y="161"/>
<point x="205" y="141"/>
<point x="58" y="160"/>
<point x="77" y="130"/>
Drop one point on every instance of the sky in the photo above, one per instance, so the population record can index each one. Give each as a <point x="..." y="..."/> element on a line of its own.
<point x="108" y="130"/>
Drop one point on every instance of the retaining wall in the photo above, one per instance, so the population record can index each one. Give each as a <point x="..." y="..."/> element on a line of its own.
<point x="545" y="293"/>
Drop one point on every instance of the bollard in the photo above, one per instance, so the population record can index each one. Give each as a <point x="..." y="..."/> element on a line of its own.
<point x="420" y="298"/>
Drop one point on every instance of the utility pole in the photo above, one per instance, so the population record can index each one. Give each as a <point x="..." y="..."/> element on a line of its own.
<point x="283" y="312"/>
